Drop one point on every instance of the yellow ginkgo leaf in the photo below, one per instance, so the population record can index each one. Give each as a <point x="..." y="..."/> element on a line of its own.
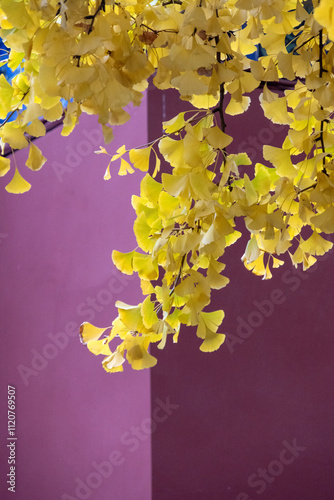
<point x="148" y="312"/>
<point x="99" y="346"/>
<point x="276" y="111"/>
<point x="145" y="267"/>
<point x="107" y="174"/>
<point x="130" y="315"/>
<point x="90" y="332"/>
<point x="150" y="189"/>
<point x="108" y="134"/>
<point x="324" y="14"/>
<point x="142" y="232"/>
<point x="205" y="101"/>
<point x="36" y="128"/>
<point x="14" y="136"/>
<point x="141" y="158"/>
<point x="218" y="139"/>
<point x="175" y="124"/>
<point x="123" y="261"/>
<point x="35" y="159"/>
<point x="316" y="245"/>
<point x="281" y="159"/>
<point x="124" y="169"/>
<point x="189" y="83"/>
<point x="207" y="327"/>
<point x="4" y="165"/>
<point x="114" y="362"/>
<point x="6" y="95"/>
<point x="139" y="358"/>
<point x="325" y="220"/>
<point x="18" y="185"/>
<point x="235" y="107"/>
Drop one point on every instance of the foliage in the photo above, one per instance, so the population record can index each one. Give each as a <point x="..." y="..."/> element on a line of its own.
<point x="98" y="56"/>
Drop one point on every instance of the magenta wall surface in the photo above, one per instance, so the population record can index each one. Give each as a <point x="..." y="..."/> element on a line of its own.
<point x="81" y="433"/>
<point x="254" y="420"/>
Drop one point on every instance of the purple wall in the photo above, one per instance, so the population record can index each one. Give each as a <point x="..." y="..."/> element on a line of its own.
<point x="256" y="418"/>
<point x="56" y="272"/>
<point x="253" y="420"/>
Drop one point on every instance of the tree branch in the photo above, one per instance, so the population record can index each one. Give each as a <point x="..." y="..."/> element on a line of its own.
<point x="102" y="6"/>
<point x="304" y="43"/>
<point x="321" y="71"/>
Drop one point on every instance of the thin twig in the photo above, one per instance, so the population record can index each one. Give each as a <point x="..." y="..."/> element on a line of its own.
<point x="14" y="111"/>
<point x="102" y="6"/>
<point x="321" y="70"/>
<point x="304" y="43"/>
<point x="307" y="188"/>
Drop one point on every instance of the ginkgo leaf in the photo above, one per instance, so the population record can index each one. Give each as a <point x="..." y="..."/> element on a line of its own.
<point x="316" y="244"/>
<point x="4" y="165"/>
<point x="235" y="107"/>
<point x="205" y="101"/>
<point x="107" y="174"/>
<point x="324" y="14"/>
<point x="137" y="354"/>
<point x="285" y="65"/>
<point x="157" y="165"/>
<point x="90" y="332"/>
<point x="251" y="194"/>
<point x="18" y="184"/>
<point x="99" y="346"/>
<point x="145" y="267"/>
<point x="123" y="261"/>
<point x="207" y="328"/>
<point x="212" y="341"/>
<point x="148" y="313"/>
<point x="108" y="134"/>
<point x="124" y="169"/>
<point x="217" y="281"/>
<point x="177" y="185"/>
<point x="130" y="315"/>
<point x="36" y="128"/>
<point x="150" y="188"/>
<point x="167" y="205"/>
<point x="113" y="363"/>
<point x="218" y="139"/>
<point x="6" y="96"/>
<point x="142" y="232"/>
<point x="325" y="220"/>
<point x="141" y="158"/>
<point x="14" y="136"/>
<point x="281" y="159"/>
<point x="276" y="111"/>
<point x="175" y="124"/>
<point x="189" y="84"/>
<point x="35" y="159"/>
<point x="172" y="150"/>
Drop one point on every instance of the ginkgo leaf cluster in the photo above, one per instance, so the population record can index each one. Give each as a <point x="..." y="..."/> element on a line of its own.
<point x="96" y="57"/>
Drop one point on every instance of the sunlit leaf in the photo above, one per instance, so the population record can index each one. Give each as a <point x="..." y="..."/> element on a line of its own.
<point x="35" y="159"/>
<point x="18" y="184"/>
